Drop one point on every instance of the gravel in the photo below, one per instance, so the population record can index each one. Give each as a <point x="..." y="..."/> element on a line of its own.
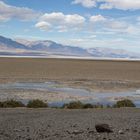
<point x="64" y="124"/>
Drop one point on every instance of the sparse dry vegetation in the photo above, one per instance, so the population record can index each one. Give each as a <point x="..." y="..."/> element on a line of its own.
<point x="11" y="104"/>
<point x="37" y="104"/>
<point x="124" y="103"/>
<point x="72" y="105"/>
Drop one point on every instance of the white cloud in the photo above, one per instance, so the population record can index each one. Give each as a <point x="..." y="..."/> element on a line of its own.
<point x="97" y="18"/>
<point x="85" y="3"/>
<point x="109" y="25"/>
<point x="121" y="27"/>
<point x="74" y="19"/>
<point x="53" y="18"/>
<point x="8" y="12"/>
<point x="138" y="19"/>
<point x="133" y="30"/>
<point x="110" y="4"/>
<point x="100" y="25"/>
<point x="120" y="4"/>
<point x="43" y="25"/>
<point x="61" y="22"/>
<point x="114" y="24"/>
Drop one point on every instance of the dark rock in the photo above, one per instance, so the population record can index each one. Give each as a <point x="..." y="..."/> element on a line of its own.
<point x="28" y="139"/>
<point x="28" y="129"/>
<point x="127" y="129"/>
<point x="75" y="125"/>
<point x="103" y="128"/>
<point x="88" y="128"/>
<point x="91" y="132"/>
<point x="134" y="130"/>
<point x="68" y="132"/>
<point x="49" y="126"/>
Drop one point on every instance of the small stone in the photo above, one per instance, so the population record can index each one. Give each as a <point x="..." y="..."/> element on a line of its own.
<point x="121" y="132"/>
<point x="135" y="130"/>
<point x="127" y="129"/>
<point x="103" y="128"/>
<point x="16" y="130"/>
<point x="68" y="131"/>
<point x="49" y="126"/>
<point x="91" y="132"/>
<point x="88" y="128"/>
<point x="75" y="125"/>
<point x="28" y="129"/>
<point x="28" y="139"/>
<point x="76" y="132"/>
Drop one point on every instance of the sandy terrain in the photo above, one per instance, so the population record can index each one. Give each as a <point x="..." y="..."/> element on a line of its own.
<point x="55" y="124"/>
<point x="94" y="74"/>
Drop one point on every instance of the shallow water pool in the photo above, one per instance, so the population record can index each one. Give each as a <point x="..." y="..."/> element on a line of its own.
<point x="56" y="94"/>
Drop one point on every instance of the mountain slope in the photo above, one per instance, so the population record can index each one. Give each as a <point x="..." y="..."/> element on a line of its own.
<point x="55" y="48"/>
<point x="112" y="53"/>
<point x="48" y="48"/>
<point x="6" y="43"/>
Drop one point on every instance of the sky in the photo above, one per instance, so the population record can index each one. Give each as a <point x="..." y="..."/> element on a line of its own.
<point x="84" y="23"/>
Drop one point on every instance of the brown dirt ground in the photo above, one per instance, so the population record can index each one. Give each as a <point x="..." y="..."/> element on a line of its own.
<point x="93" y="73"/>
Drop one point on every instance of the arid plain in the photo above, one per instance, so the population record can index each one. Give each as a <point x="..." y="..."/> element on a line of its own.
<point x="96" y="74"/>
<point x="65" y="124"/>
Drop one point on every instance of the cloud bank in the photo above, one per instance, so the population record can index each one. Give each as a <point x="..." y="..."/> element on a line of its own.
<point x="110" y="4"/>
<point x="85" y="3"/>
<point x="8" y="12"/>
<point x="60" y="22"/>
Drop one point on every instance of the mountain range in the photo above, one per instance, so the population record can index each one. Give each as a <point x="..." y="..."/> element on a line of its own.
<point x="47" y="48"/>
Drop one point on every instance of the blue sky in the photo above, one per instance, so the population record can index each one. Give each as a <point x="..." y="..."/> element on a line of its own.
<point x="85" y="23"/>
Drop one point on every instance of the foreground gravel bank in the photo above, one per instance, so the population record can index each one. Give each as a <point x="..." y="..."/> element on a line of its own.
<point x="56" y="124"/>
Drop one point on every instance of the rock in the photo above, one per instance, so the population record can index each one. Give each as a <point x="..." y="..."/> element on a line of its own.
<point x="91" y="132"/>
<point x="121" y="132"/>
<point x="17" y="130"/>
<point x="75" y="125"/>
<point x="134" y="130"/>
<point x="76" y="132"/>
<point x="103" y="128"/>
<point x="68" y="131"/>
<point x="49" y="126"/>
<point x="28" y="139"/>
<point x="88" y="128"/>
<point x="28" y="129"/>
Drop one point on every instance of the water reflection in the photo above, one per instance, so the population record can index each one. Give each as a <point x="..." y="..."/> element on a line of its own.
<point x="62" y="94"/>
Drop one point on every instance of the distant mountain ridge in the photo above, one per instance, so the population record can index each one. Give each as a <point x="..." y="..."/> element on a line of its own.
<point x="49" y="48"/>
<point x="7" y="43"/>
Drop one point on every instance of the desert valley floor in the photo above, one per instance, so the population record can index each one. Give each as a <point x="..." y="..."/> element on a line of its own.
<point x="29" y="78"/>
<point x="103" y="74"/>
